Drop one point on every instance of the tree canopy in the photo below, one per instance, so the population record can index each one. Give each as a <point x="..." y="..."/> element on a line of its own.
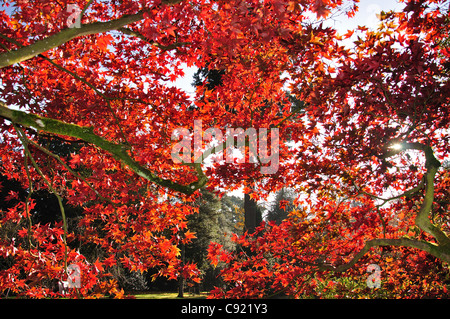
<point x="364" y="151"/>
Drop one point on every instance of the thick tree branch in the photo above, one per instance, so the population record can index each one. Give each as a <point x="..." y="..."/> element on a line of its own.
<point x="118" y="151"/>
<point x="435" y="250"/>
<point x="65" y="35"/>
<point x="432" y="165"/>
<point x="440" y="250"/>
<point x="422" y="218"/>
<point x="171" y="2"/>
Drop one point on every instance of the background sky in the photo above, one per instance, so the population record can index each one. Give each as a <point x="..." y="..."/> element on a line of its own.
<point x="366" y="15"/>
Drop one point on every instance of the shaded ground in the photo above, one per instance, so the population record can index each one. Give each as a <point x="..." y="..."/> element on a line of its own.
<point x="167" y="295"/>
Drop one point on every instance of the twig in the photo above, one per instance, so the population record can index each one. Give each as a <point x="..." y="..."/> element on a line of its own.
<point x="46" y="151"/>
<point x="23" y="139"/>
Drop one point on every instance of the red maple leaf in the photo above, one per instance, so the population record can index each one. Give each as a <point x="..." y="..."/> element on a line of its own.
<point x="104" y="41"/>
<point x="321" y="9"/>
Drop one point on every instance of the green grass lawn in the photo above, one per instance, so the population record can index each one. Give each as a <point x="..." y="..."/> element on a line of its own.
<point x="168" y="295"/>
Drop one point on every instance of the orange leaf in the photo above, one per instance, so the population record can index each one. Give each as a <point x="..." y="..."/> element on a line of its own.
<point x="104" y="41"/>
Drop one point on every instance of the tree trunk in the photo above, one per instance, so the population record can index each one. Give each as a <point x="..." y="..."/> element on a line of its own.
<point x="250" y="212"/>
<point x="181" y="278"/>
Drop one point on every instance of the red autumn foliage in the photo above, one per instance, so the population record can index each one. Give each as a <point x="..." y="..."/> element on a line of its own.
<point x="103" y="87"/>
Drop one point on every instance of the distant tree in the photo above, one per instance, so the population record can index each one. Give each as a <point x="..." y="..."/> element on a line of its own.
<point x="209" y="77"/>
<point x="281" y="205"/>
<point x="214" y="222"/>
<point x="233" y="214"/>
<point x="206" y="226"/>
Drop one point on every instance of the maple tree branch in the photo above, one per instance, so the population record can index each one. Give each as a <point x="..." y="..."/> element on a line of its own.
<point x="432" y="165"/>
<point x="171" y="2"/>
<point x="429" y="155"/>
<point x="118" y="151"/>
<point x="136" y="34"/>
<point x="435" y="250"/>
<point x="407" y="193"/>
<point x="67" y="167"/>
<point x="288" y="117"/>
<point x="27" y="200"/>
<point x="79" y="78"/>
<point x="28" y="154"/>
<point x="65" y="35"/>
<point x="85" y="8"/>
<point x="422" y="220"/>
<point x="97" y="91"/>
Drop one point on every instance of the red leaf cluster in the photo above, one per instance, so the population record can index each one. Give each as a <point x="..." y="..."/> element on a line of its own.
<point x="87" y="113"/>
